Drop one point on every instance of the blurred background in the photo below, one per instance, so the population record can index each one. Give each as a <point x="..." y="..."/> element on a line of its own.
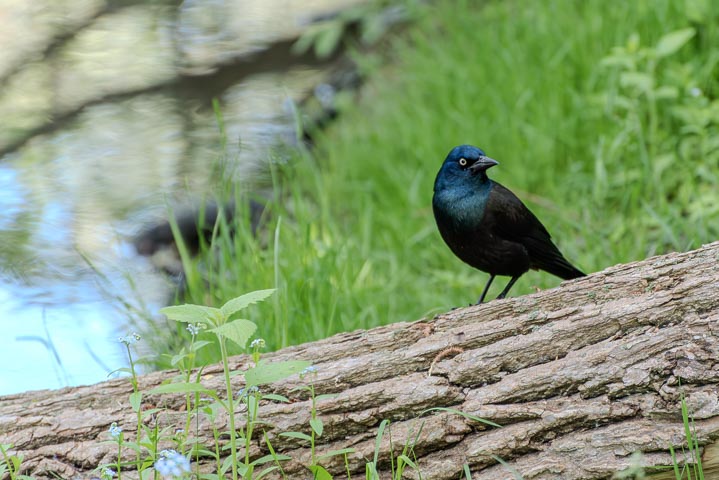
<point x="333" y="116"/>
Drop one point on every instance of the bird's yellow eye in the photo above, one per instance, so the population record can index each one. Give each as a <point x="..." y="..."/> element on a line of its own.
<point x="463" y="162"/>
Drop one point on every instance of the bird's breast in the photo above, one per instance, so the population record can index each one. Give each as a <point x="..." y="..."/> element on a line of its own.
<point x="460" y="209"/>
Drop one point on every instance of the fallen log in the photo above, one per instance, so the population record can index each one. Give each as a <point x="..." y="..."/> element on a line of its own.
<point x="579" y="377"/>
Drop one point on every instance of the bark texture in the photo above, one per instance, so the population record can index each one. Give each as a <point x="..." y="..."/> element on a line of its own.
<point x="579" y="377"/>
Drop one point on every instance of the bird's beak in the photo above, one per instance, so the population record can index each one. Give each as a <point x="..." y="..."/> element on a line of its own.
<point x="482" y="164"/>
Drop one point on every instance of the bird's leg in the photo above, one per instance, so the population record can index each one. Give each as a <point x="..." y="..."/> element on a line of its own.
<point x="486" y="289"/>
<point x="506" y="289"/>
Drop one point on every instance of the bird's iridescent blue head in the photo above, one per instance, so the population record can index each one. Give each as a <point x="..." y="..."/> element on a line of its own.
<point x="464" y="163"/>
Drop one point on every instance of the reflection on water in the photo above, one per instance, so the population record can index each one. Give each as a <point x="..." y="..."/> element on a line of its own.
<point x="107" y="118"/>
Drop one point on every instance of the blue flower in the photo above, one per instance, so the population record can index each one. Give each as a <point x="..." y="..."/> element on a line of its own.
<point x="172" y="464"/>
<point x="311" y="370"/>
<point x="107" y="473"/>
<point x="193" y="328"/>
<point x="247" y="392"/>
<point x="115" y="431"/>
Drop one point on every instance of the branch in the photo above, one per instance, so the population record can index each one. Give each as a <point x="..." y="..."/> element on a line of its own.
<point x="579" y="377"/>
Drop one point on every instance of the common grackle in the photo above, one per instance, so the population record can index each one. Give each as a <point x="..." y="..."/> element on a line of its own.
<point x="487" y="226"/>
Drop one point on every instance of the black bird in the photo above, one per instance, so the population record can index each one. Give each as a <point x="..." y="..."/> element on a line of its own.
<point x="487" y="226"/>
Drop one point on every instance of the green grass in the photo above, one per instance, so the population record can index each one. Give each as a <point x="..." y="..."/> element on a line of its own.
<point x="609" y="136"/>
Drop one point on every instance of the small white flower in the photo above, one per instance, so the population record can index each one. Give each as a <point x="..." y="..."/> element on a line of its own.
<point x="130" y="338"/>
<point x="258" y="343"/>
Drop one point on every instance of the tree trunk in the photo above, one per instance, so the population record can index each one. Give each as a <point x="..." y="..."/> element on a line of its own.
<point x="579" y="377"/>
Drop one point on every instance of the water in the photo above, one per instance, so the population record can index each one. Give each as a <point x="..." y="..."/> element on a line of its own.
<point x="107" y="120"/>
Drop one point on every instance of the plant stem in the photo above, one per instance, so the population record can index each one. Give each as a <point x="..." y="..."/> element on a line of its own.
<point x="230" y="405"/>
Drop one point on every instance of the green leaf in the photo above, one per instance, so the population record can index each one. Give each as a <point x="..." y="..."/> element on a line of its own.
<point x="199" y="344"/>
<point x="267" y="471"/>
<point x="317" y="426"/>
<point x="243" y="301"/>
<point x="334" y="453"/>
<point x="272" y="372"/>
<point x="210" y="476"/>
<point x="299" y="435"/>
<point x="176" y="359"/>
<point x="328" y="39"/>
<point x="461" y="414"/>
<point x="181" y="388"/>
<point x="239" y="331"/>
<point x="189" y="313"/>
<point x="275" y="397"/>
<point x="515" y="473"/>
<point x="673" y="41"/>
<point x="245" y="471"/>
<point x="378" y="440"/>
<point x="371" y="471"/>
<point x="269" y="458"/>
<point x="638" y="80"/>
<point x="407" y="461"/>
<point x="320" y="473"/>
<point x="326" y="396"/>
<point x="135" y="401"/>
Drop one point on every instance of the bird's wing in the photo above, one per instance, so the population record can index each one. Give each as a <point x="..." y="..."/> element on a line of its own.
<point x="512" y="221"/>
<point x="510" y="218"/>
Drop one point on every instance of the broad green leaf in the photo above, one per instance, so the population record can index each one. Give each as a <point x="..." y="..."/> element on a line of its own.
<point x="226" y="464"/>
<point x="147" y="473"/>
<point x="239" y="331"/>
<point x="135" y="401"/>
<point x="272" y="372"/>
<point x="673" y="41"/>
<point x="638" y="80"/>
<point x="189" y="313"/>
<point x="243" y="301"/>
<point x="199" y="344"/>
<point x="181" y="388"/>
<point x="320" y="473"/>
<point x="299" y="435"/>
<point x="176" y="359"/>
<point x="317" y="426"/>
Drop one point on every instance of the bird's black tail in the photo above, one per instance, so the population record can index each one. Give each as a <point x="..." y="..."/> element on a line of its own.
<point x="546" y="256"/>
<point x="564" y="270"/>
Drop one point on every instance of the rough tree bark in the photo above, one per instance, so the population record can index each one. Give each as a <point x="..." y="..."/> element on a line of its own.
<point x="580" y="377"/>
